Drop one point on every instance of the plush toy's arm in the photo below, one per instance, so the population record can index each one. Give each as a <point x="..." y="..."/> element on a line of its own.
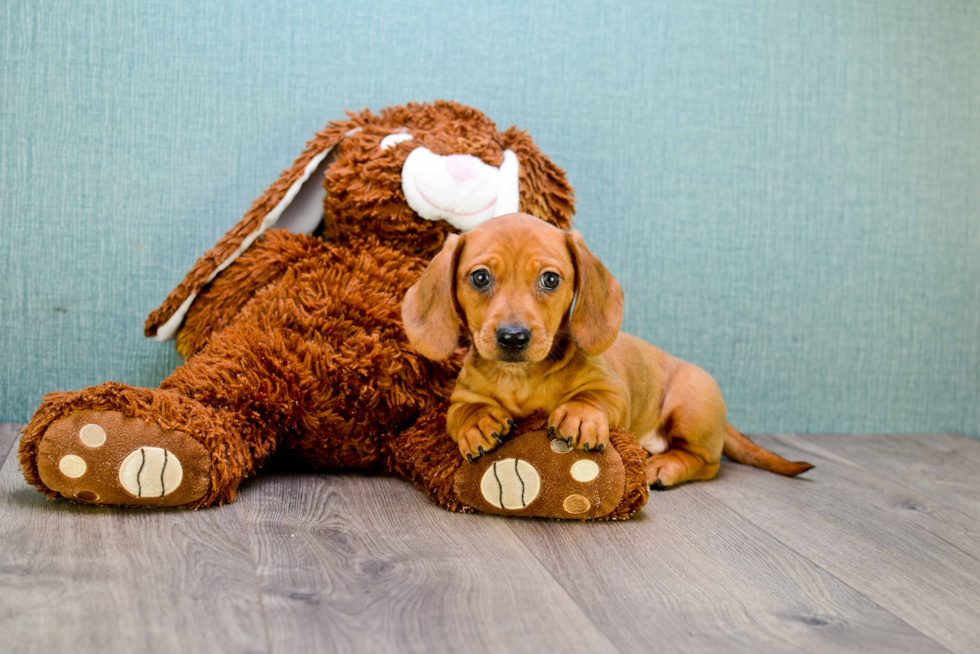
<point x="221" y="300"/>
<point x="163" y="323"/>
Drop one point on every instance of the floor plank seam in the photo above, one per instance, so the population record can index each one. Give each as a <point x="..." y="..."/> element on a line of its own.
<point x="258" y="584"/>
<point x="816" y="450"/>
<point x="584" y="609"/>
<point x="14" y="441"/>
<point x="958" y="548"/>
<point x="828" y="571"/>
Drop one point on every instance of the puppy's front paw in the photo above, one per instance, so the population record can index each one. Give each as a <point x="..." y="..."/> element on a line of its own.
<point x="581" y="425"/>
<point x="482" y="430"/>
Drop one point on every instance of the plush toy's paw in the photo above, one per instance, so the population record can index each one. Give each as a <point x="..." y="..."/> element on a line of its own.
<point x="102" y="457"/>
<point x="533" y="475"/>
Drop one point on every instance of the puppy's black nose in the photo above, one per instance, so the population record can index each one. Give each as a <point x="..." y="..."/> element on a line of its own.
<point x="513" y="339"/>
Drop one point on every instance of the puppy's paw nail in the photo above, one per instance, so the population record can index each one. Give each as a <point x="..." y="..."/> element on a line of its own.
<point x="512" y="424"/>
<point x="602" y="448"/>
<point x="469" y="457"/>
<point x="480" y="449"/>
<point x="497" y="437"/>
<point x="551" y="432"/>
<point x="657" y="485"/>
<point x="586" y="447"/>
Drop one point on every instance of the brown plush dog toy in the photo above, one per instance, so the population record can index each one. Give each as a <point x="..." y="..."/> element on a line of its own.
<point x="543" y="316"/>
<point x="292" y="333"/>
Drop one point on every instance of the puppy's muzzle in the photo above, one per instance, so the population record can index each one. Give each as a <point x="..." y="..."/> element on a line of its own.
<point x="512" y="339"/>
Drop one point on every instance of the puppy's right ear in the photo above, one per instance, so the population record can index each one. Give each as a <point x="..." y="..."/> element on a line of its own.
<point x="429" y="309"/>
<point x="598" y="309"/>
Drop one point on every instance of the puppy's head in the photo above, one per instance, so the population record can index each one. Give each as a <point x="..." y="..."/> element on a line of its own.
<point x="518" y="284"/>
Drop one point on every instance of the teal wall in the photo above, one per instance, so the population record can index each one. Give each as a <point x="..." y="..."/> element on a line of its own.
<point x="789" y="191"/>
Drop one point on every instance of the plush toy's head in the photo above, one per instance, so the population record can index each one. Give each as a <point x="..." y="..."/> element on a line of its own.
<point x="404" y="178"/>
<point x="417" y="173"/>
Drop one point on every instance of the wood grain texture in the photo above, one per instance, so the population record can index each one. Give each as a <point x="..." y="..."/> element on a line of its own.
<point x="942" y="466"/>
<point x="690" y="575"/>
<point x="876" y="550"/>
<point x="908" y="553"/>
<point x="352" y="563"/>
<point x="82" y="579"/>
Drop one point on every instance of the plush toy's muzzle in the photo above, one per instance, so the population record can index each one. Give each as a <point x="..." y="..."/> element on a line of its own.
<point x="460" y="188"/>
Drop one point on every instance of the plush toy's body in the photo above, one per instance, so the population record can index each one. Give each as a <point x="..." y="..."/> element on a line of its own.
<point x="294" y="341"/>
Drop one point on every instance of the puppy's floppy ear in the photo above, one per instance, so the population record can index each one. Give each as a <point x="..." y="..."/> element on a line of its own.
<point x="598" y="309"/>
<point x="429" y="309"/>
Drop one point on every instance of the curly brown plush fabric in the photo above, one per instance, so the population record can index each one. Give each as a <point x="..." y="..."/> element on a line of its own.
<point x="297" y="345"/>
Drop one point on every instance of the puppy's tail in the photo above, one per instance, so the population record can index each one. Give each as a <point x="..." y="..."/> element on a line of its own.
<point x="741" y="449"/>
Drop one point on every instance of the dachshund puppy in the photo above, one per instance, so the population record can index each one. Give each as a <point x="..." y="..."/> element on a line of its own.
<point x="543" y="316"/>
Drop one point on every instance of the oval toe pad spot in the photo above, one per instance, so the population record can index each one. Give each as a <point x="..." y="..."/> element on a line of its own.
<point x="560" y="446"/>
<point x="87" y="496"/>
<point x="92" y="435"/>
<point x="576" y="504"/>
<point x="584" y="470"/>
<point x="72" y="465"/>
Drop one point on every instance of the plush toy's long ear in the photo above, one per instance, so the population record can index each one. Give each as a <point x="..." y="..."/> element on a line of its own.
<point x="292" y="187"/>
<point x="545" y="192"/>
<point x="598" y="309"/>
<point x="429" y="309"/>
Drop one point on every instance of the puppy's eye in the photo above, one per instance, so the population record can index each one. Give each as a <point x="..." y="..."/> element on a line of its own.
<point x="480" y="278"/>
<point x="550" y="280"/>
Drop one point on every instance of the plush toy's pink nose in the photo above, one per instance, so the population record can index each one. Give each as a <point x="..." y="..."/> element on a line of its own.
<point x="462" y="167"/>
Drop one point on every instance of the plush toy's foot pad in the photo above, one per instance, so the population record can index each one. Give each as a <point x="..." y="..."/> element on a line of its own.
<point x="534" y="476"/>
<point x="102" y="457"/>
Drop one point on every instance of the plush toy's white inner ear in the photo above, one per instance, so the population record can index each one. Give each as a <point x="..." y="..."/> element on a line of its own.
<point x="300" y="210"/>
<point x="305" y="213"/>
<point x="394" y="139"/>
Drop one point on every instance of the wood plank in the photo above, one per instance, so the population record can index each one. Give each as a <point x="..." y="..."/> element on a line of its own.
<point x="81" y="579"/>
<point x="941" y="466"/>
<point x="910" y="554"/>
<point x="9" y="435"/>
<point x="689" y="575"/>
<point x="355" y="563"/>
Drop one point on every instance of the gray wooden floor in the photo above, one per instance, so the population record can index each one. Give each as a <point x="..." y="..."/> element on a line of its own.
<point x="876" y="550"/>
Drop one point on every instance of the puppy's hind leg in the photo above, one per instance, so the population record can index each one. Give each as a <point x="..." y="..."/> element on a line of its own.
<point x="694" y="426"/>
<point x="677" y="465"/>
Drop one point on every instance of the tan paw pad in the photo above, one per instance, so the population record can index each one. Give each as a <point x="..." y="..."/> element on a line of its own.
<point x="510" y="484"/>
<point x="72" y="465"/>
<point x="576" y="504"/>
<point x="584" y="470"/>
<point x="92" y="435"/>
<point x="150" y="472"/>
<point x="560" y="446"/>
